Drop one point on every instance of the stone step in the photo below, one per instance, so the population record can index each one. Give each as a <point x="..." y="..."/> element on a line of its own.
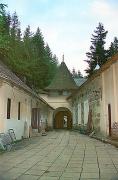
<point x="35" y="133"/>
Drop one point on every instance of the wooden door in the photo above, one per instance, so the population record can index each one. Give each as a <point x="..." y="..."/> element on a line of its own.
<point x="38" y="119"/>
<point x="59" y="122"/>
<point x="35" y="122"/>
<point x="69" y="122"/>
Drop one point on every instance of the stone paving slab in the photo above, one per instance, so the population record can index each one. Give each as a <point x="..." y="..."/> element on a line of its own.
<point x="72" y="178"/>
<point x="28" y="177"/>
<point x="71" y="175"/>
<point x="49" y="178"/>
<point x="63" y="155"/>
<point x="34" y="172"/>
<point x="74" y="165"/>
<point x="90" y="175"/>
<point x="72" y="170"/>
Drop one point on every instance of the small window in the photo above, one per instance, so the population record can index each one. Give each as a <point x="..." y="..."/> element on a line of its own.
<point x="60" y="92"/>
<point x="19" y="111"/>
<point x="65" y="93"/>
<point x="8" y="108"/>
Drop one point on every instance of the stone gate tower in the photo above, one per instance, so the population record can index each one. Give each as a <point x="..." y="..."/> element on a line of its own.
<point x="57" y="92"/>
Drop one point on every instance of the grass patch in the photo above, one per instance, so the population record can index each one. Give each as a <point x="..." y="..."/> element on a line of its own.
<point x="17" y="141"/>
<point x="2" y="151"/>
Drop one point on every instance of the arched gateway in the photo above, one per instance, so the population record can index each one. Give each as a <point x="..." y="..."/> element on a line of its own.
<point x="62" y="118"/>
<point x="58" y="90"/>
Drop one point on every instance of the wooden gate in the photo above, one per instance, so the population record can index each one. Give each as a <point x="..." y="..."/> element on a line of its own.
<point x="62" y="120"/>
<point x="35" y="122"/>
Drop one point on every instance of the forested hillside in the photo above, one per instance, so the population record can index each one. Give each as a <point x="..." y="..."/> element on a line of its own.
<point x="26" y="53"/>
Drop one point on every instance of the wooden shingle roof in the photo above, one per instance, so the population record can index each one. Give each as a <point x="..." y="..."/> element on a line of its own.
<point x="9" y="76"/>
<point x="63" y="80"/>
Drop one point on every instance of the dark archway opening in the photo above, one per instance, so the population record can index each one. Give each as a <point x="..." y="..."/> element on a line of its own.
<point x="62" y="118"/>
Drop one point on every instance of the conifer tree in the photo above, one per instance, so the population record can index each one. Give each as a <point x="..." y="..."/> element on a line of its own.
<point x="28" y="57"/>
<point x="38" y="41"/>
<point x="74" y="73"/>
<point x="97" y="52"/>
<point x="27" y="33"/>
<point x="113" y="49"/>
<point x="4" y="38"/>
<point x="79" y="74"/>
<point x="14" y="26"/>
<point x="27" y="43"/>
<point x="52" y="63"/>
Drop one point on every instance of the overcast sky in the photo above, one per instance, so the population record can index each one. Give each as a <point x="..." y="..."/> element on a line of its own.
<point x="67" y="25"/>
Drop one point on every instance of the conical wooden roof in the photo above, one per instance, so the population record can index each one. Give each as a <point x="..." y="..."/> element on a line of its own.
<point x="62" y="80"/>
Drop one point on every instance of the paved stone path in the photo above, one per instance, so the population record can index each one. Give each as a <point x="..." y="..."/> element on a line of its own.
<point x="62" y="155"/>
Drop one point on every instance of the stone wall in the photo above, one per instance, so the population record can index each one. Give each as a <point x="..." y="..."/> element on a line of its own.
<point x="88" y="98"/>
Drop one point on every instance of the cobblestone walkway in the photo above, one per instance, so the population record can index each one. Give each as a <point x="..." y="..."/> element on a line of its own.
<point x="62" y="155"/>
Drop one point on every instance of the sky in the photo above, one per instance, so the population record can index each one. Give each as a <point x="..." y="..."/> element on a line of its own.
<point x="67" y="25"/>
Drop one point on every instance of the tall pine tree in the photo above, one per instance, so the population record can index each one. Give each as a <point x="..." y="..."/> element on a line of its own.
<point x="113" y="49"/>
<point x="4" y="36"/>
<point x="97" y="52"/>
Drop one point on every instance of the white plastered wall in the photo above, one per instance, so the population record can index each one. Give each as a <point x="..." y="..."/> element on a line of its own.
<point x="21" y="127"/>
<point x="109" y="96"/>
<point x="57" y="101"/>
<point x="50" y="118"/>
<point x="2" y="106"/>
<point x="86" y="111"/>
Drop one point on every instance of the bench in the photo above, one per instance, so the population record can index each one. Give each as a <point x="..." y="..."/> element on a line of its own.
<point x="7" y="140"/>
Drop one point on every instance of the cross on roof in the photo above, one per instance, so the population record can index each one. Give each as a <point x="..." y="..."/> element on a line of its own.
<point x="63" y="58"/>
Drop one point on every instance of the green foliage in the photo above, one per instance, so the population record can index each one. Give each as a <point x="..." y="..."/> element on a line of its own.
<point x="97" y="53"/>
<point x="113" y="49"/>
<point x="4" y="39"/>
<point x="28" y="55"/>
<point x="81" y="128"/>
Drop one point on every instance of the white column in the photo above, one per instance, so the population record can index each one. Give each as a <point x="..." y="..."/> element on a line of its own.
<point x="115" y="94"/>
<point x="103" y="119"/>
<point x="86" y="111"/>
<point x="79" y="113"/>
<point x="74" y="117"/>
